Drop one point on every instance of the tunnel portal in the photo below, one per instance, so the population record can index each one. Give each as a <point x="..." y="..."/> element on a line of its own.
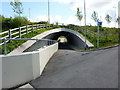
<point x="73" y="41"/>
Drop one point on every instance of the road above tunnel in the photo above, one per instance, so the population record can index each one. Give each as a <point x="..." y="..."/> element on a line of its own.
<point x="72" y="69"/>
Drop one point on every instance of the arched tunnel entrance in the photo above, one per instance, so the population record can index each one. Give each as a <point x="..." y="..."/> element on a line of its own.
<point x="63" y="43"/>
<point x="73" y="41"/>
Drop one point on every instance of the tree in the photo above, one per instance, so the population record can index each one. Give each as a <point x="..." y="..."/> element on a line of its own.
<point x="94" y="16"/>
<point x="118" y="19"/>
<point x="108" y="18"/>
<point x="19" y="21"/>
<point x="17" y="7"/>
<point x="79" y="15"/>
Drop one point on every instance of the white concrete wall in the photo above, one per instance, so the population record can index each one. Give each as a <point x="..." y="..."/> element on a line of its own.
<point x="0" y="73"/>
<point x="19" y="69"/>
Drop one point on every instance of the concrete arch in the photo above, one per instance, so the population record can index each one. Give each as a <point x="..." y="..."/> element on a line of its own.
<point x="75" y="39"/>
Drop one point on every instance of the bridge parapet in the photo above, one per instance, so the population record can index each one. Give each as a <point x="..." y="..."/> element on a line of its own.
<point x="21" y="68"/>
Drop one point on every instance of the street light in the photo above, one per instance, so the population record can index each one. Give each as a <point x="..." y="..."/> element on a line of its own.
<point x="85" y="21"/>
<point x="29" y="14"/>
<point x="48" y="12"/>
<point x="115" y="15"/>
<point x="118" y="14"/>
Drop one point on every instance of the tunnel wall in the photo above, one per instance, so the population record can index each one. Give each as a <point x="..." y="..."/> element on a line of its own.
<point x="77" y="43"/>
<point x="74" y="41"/>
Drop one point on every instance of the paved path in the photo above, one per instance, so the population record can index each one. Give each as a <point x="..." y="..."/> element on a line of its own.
<point x="65" y="46"/>
<point x="72" y="69"/>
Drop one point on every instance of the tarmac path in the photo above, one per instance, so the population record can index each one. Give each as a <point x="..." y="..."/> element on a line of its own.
<point x="73" y="69"/>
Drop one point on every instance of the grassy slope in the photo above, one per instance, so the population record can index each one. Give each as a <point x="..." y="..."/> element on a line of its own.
<point x="14" y="44"/>
<point x="103" y="41"/>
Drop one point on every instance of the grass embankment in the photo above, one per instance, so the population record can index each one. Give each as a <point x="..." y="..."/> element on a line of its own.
<point x="14" y="44"/>
<point x="107" y="36"/>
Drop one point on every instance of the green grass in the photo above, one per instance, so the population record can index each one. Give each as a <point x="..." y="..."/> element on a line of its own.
<point x="92" y="37"/>
<point x="14" y="44"/>
<point x="104" y="40"/>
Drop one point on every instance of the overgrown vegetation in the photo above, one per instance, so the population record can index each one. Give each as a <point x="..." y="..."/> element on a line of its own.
<point x="108" y="36"/>
<point x="14" y="44"/>
<point x="9" y="23"/>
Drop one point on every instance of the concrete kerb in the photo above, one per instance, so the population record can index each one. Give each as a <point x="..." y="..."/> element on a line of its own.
<point x="25" y="86"/>
<point x="102" y="48"/>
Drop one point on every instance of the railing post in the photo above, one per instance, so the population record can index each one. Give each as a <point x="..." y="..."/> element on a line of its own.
<point x="45" y="26"/>
<point x="19" y="32"/>
<point x="9" y="33"/>
<point x="39" y="26"/>
<point x="36" y="26"/>
<point x="48" y="26"/>
<point x="32" y="27"/>
<point x="98" y="38"/>
<point x="26" y="29"/>
<point x="5" y="48"/>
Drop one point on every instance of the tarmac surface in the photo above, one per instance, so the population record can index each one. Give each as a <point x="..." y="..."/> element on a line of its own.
<point x="73" y="69"/>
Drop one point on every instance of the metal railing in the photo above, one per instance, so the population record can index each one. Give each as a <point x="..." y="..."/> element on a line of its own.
<point x="93" y="34"/>
<point x="19" y="32"/>
<point x="49" y="42"/>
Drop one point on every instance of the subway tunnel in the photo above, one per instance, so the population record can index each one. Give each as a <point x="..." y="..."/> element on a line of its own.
<point x="73" y="41"/>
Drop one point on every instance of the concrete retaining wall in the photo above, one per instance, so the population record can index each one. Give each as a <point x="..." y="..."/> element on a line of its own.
<point x="19" y="69"/>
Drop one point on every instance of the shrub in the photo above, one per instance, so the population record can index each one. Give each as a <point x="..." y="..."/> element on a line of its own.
<point x="5" y="23"/>
<point x="19" y="21"/>
<point x="43" y="22"/>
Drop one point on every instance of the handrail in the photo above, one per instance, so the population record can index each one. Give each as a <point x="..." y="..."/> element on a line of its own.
<point x="7" y="39"/>
<point x="24" y="29"/>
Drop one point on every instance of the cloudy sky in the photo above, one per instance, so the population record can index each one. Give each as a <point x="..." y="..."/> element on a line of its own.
<point x="64" y="11"/>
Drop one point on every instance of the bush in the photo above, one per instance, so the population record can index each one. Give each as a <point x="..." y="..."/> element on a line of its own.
<point x="19" y="21"/>
<point x="43" y="22"/>
<point x="10" y="23"/>
<point x="5" y="23"/>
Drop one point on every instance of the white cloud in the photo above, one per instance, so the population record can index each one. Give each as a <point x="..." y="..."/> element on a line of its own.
<point x="41" y="18"/>
<point x="30" y="19"/>
<point x="103" y="7"/>
<point x="53" y="19"/>
<point x="71" y="20"/>
<point x="58" y="18"/>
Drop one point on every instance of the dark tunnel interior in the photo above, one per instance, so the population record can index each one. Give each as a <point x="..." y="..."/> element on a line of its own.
<point x="73" y="41"/>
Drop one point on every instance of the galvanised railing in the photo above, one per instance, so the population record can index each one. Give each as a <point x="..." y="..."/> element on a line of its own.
<point x="49" y="42"/>
<point x="18" y="32"/>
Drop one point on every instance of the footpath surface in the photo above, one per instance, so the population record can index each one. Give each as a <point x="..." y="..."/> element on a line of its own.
<point x="73" y="69"/>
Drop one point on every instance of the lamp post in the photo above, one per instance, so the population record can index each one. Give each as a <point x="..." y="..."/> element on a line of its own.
<point x="29" y="14"/>
<point x="48" y="12"/>
<point x="99" y="23"/>
<point x="115" y="15"/>
<point x="118" y="14"/>
<point x="85" y="21"/>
